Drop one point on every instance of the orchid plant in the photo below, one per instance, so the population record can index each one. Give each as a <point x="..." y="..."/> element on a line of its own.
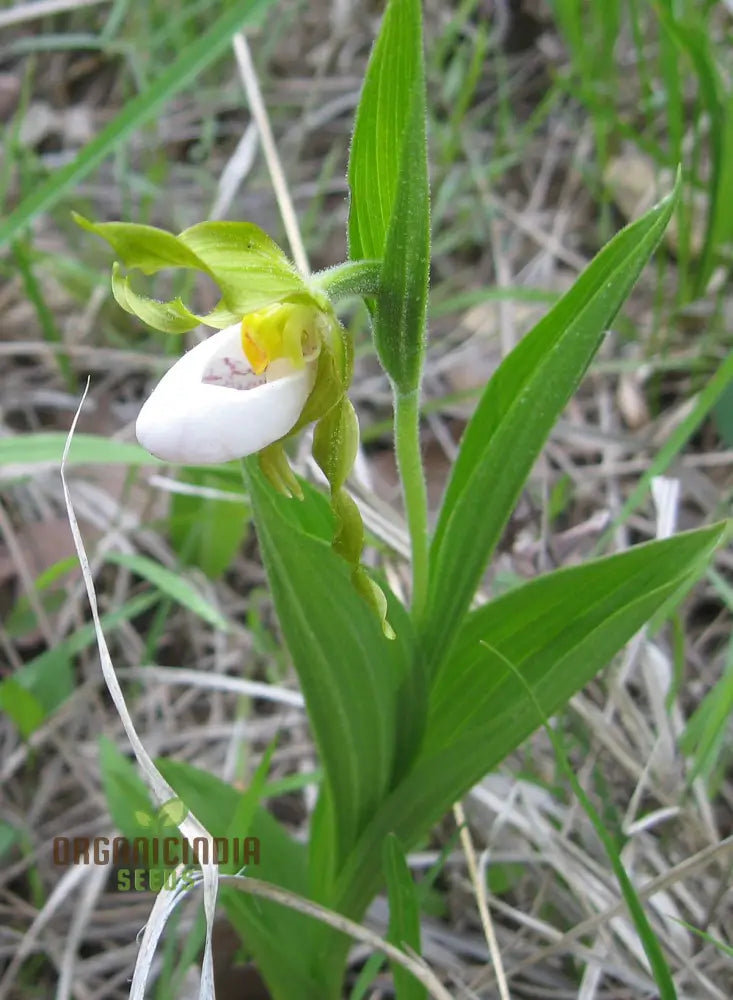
<point x="408" y="706"/>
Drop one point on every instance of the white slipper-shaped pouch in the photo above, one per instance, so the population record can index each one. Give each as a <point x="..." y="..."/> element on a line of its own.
<point x="210" y="406"/>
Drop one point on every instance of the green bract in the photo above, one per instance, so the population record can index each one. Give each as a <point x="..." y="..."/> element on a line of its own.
<point x="389" y="211"/>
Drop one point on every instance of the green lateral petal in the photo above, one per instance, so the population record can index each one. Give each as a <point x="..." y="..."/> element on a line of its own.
<point x="171" y="316"/>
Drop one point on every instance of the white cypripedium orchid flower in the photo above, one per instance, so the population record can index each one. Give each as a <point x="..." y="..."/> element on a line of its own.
<point x="287" y="363"/>
<point x="237" y="392"/>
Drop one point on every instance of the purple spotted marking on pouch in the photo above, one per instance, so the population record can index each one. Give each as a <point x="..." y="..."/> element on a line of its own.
<point x="232" y="373"/>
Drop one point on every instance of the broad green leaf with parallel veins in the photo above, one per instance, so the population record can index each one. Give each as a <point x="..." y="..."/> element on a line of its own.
<point x="480" y="710"/>
<point x="364" y="693"/>
<point x="350" y="673"/>
<point x="556" y="620"/>
<point x="514" y="417"/>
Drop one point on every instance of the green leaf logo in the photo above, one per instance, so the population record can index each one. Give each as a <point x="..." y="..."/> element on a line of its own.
<point x="171" y="813"/>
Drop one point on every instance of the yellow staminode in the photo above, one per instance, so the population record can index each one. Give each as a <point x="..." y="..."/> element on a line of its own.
<point x="285" y="330"/>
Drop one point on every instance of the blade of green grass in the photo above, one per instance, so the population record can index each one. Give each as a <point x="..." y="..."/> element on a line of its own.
<point x="48" y="678"/>
<point x="51" y="332"/>
<point x="173" y="584"/>
<point x="725" y="948"/>
<point x="404" y="917"/>
<point x="704" y="738"/>
<point x="47" y="449"/>
<point x="657" y="961"/>
<point x="706" y="400"/>
<point x="191" y="61"/>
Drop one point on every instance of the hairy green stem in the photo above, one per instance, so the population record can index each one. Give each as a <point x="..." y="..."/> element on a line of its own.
<point x="412" y="476"/>
<point x="355" y="277"/>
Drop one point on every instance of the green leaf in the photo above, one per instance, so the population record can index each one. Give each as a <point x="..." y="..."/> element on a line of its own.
<point x="35" y="691"/>
<point x="130" y="807"/>
<point x="404" y="917"/>
<point x="49" y="677"/>
<point x="172" y="812"/>
<point x="521" y="403"/>
<point x="350" y="674"/>
<point x="47" y="448"/>
<point x="314" y="516"/>
<point x="394" y="75"/>
<point x="720" y="217"/>
<point x="34" y="291"/>
<point x="715" y="942"/>
<point x="21" y="618"/>
<point x="399" y="319"/>
<point x="22" y="706"/>
<point x="191" y="61"/>
<point x="431" y="900"/>
<point x="694" y="40"/>
<point x="128" y="799"/>
<point x="171" y="583"/>
<point x="262" y="925"/>
<point x="241" y="822"/>
<point x="569" y="621"/>
<point x="206" y="531"/>
<point x="8" y="836"/>
<point x="652" y="947"/>
<point x="357" y="685"/>
<point x="705" y="736"/>
<point x="557" y="631"/>
<point x="700" y="406"/>
<point x="723" y="414"/>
